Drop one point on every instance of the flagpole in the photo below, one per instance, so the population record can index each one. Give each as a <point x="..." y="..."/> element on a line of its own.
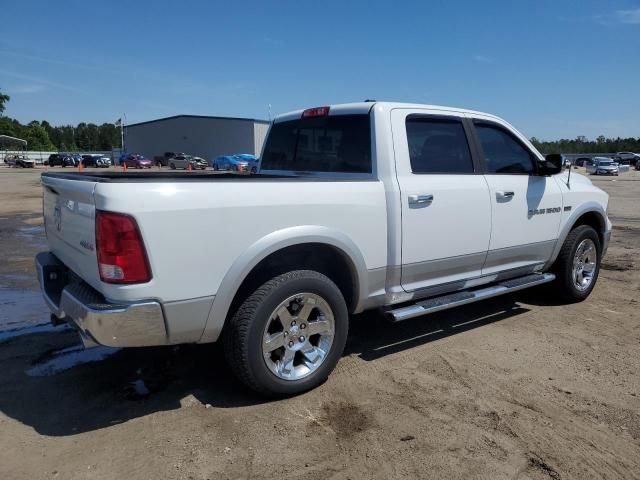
<point x="121" y="139"/>
<point x="124" y="115"/>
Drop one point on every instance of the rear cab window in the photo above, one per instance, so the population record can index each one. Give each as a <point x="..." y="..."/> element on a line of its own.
<point x="339" y="144"/>
<point x="438" y="145"/>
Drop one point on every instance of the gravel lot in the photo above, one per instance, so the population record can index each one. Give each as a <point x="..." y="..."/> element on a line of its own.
<point x="516" y="387"/>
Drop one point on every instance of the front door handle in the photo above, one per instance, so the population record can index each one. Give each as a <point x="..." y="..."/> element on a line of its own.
<point x="504" y="195"/>
<point x="420" y="199"/>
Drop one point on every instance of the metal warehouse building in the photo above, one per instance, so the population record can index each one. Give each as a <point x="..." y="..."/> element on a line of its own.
<point x="202" y="136"/>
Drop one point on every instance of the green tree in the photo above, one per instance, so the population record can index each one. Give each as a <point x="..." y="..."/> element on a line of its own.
<point x="7" y="127"/>
<point x="3" y="99"/>
<point x="38" y="138"/>
<point x="81" y="136"/>
<point x="93" y="135"/>
<point x="109" y="136"/>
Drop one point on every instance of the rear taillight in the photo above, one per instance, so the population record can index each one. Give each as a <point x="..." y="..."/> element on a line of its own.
<point x="315" y="112"/>
<point x="121" y="254"/>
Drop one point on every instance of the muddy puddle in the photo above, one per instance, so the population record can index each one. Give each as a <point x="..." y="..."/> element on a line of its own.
<point x="20" y="308"/>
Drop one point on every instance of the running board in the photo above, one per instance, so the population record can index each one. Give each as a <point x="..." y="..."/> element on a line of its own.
<point x="436" y="304"/>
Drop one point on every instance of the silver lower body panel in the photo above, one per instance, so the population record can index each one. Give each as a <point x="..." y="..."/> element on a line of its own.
<point x="135" y="324"/>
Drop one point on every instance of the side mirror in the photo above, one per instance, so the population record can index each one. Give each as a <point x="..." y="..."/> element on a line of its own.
<point x="551" y="165"/>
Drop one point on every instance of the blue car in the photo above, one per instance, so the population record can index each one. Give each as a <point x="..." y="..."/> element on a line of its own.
<point x="242" y="163"/>
<point x="252" y="159"/>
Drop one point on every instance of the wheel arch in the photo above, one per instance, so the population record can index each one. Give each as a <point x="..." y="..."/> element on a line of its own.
<point x="590" y="213"/>
<point x="295" y="243"/>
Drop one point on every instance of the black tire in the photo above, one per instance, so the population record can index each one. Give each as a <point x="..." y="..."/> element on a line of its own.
<point x="243" y="335"/>
<point x="564" y="284"/>
<point x="172" y="166"/>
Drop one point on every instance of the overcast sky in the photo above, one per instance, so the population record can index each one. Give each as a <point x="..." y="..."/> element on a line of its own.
<point x="552" y="68"/>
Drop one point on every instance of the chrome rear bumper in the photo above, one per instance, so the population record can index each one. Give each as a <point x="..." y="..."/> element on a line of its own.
<point x="136" y="324"/>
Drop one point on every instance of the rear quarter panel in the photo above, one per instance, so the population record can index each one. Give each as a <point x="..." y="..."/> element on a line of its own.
<point x="195" y="232"/>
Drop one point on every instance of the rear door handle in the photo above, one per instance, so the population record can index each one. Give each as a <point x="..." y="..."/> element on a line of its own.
<point x="420" y="199"/>
<point x="503" y="195"/>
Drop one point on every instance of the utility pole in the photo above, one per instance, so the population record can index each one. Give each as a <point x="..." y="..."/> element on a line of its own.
<point x="124" y="115"/>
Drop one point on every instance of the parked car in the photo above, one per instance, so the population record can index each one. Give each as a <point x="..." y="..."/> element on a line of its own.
<point x="409" y="220"/>
<point x="231" y="163"/>
<point x="103" y="161"/>
<point x="579" y="162"/>
<point x="137" y="161"/>
<point x="603" y="166"/>
<point x="52" y="159"/>
<point x="179" y="161"/>
<point x="627" y="157"/>
<point x="164" y="159"/>
<point x="21" y="161"/>
<point x="96" y="161"/>
<point x="62" y="159"/>
<point x="183" y="161"/>
<point x="198" y="163"/>
<point x="252" y="161"/>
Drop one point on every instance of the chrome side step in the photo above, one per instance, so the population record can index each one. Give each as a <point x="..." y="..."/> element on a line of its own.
<point x="435" y="304"/>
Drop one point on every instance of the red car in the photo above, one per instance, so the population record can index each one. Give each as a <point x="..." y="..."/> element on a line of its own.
<point x="137" y="161"/>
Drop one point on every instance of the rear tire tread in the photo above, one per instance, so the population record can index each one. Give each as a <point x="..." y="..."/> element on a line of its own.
<point x="236" y="336"/>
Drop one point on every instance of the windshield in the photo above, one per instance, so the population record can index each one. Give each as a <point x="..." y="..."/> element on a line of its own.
<point x="338" y="144"/>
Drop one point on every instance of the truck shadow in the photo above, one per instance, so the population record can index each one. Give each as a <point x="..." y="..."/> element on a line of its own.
<point x="133" y="383"/>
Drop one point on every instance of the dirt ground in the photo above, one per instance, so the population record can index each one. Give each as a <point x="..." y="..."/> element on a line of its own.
<point x="516" y="387"/>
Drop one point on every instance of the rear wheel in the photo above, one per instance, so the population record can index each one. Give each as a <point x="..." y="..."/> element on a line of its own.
<point x="288" y="335"/>
<point x="578" y="264"/>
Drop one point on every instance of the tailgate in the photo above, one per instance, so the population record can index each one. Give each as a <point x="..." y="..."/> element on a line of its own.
<point x="69" y="220"/>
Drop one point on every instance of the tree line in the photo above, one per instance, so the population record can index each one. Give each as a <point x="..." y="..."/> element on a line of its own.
<point x="583" y="145"/>
<point x="66" y="138"/>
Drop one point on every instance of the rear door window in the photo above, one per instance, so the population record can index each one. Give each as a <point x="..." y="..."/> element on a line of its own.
<point x="335" y="144"/>
<point x="438" y="146"/>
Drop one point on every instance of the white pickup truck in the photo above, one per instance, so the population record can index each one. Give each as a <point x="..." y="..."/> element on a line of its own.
<point x="406" y="208"/>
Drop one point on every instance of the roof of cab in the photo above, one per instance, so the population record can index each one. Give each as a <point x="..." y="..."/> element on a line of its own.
<point x="365" y="107"/>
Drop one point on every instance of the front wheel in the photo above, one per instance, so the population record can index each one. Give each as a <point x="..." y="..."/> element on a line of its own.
<point x="172" y="166"/>
<point x="288" y="335"/>
<point x="578" y="264"/>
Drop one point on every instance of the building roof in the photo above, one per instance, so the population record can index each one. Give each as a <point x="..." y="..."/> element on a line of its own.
<point x="197" y="116"/>
<point x="6" y="139"/>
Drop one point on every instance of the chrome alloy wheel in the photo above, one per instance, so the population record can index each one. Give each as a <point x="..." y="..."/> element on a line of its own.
<point x="584" y="264"/>
<point x="298" y="336"/>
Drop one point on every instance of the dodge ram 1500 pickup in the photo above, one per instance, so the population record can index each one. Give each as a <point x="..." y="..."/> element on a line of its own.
<point x="406" y="208"/>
